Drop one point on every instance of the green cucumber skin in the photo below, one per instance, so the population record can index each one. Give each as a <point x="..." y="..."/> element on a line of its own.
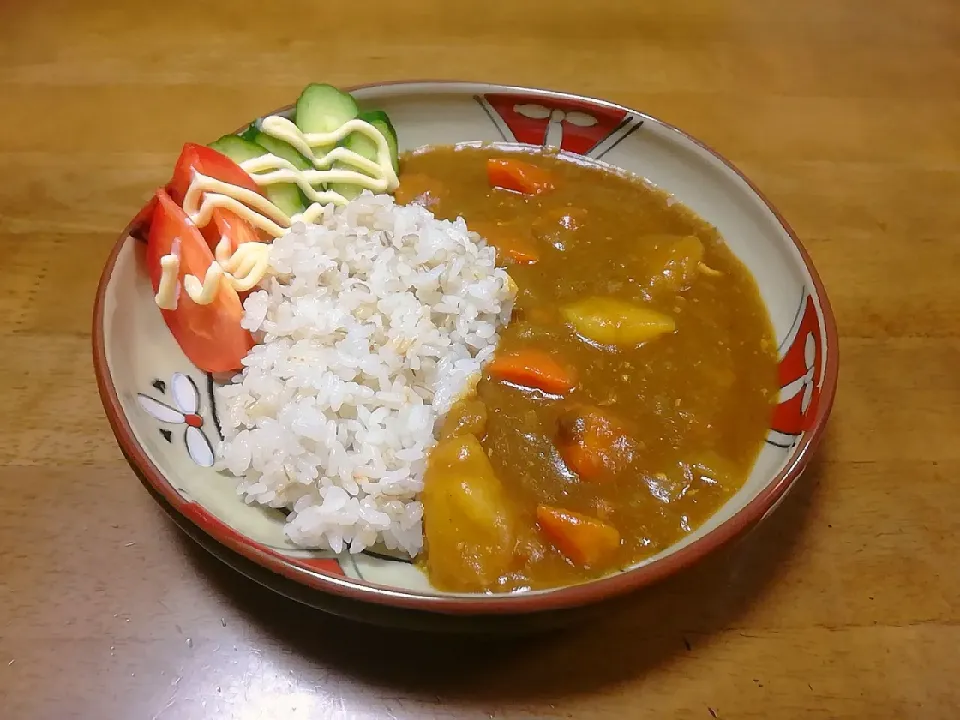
<point x="361" y="145"/>
<point x="249" y="131"/>
<point x="381" y="121"/>
<point x="282" y="150"/>
<point x="367" y="148"/>
<point x="348" y="190"/>
<point x="323" y="108"/>
<point x="237" y="148"/>
<point x="285" y="196"/>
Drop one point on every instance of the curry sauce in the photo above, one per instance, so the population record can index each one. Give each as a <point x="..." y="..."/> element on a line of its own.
<point x="654" y="376"/>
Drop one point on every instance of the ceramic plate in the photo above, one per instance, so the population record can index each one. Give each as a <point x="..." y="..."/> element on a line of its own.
<point x="164" y="413"/>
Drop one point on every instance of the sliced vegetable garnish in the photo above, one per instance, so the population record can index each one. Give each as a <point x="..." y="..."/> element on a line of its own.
<point x="534" y="369"/>
<point x="282" y="150"/>
<point x="584" y="540"/>
<point x="140" y="226"/>
<point x="322" y="108"/>
<point x="607" y="321"/>
<point x="224" y="223"/>
<point x="200" y="158"/>
<point x="248" y="188"/>
<point x="365" y="147"/>
<point x="518" y="176"/>
<point x="209" y="335"/>
<point x="346" y="151"/>
<point x="227" y="224"/>
<point x="381" y="121"/>
<point x="286" y="196"/>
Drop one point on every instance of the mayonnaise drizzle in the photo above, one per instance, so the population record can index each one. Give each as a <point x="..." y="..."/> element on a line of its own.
<point x="245" y="268"/>
<point x="169" y="271"/>
<point x="307" y="143"/>
<point x="376" y="176"/>
<point x="216" y="193"/>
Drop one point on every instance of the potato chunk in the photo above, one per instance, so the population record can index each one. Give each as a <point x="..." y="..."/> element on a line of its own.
<point x="673" y="263"/>
<point x="466" y="417"/>
<point x="607" y="321"/>
<point x="469" y="526"/>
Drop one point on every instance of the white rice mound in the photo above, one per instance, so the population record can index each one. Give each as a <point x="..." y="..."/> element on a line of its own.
<point x="371" y="323"/>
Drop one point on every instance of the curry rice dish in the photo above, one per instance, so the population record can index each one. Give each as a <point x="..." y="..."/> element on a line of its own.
<point x="518" y="368"/>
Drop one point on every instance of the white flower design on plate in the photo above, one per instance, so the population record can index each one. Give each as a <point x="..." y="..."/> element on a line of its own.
<point x="555" y="118"/>
<point x="186" y="401"/>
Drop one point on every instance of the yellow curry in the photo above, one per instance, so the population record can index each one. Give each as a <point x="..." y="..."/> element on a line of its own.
<point x="629" y="395"/>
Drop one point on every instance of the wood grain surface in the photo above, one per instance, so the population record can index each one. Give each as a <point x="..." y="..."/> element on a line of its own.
<point x="844" y="605"/>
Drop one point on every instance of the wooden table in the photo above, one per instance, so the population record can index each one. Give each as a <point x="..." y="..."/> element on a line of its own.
<point x="845" y="605"/>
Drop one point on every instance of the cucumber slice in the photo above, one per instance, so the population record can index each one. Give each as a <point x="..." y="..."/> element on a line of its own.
<point x="367" y="148"/>
<point x="285" y="196"/>
<point x="323" y="109"/>
<point x="237" y="148"/>
<point x="380" y="120"/>
<point x="282" y="150"/>
<point x="248" y="132"/>
<point x="362" y="146"/>
<point x="348" y="190"/>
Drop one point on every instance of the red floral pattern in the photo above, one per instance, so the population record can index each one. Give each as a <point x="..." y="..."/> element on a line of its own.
<point x="330" y="566"/>
<point x="576" y="126"/>
<point x="801" y="373"/>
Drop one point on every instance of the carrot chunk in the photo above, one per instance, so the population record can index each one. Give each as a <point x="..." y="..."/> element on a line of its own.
<point x="509" y="242"/>
<point x="587" y="462"/>
<point x="521" y="255"/>
<point x="534" y="369"/>
<point x="595" y="445"/>
<point x="518" y="176"/>
<point x="582" y="539"/>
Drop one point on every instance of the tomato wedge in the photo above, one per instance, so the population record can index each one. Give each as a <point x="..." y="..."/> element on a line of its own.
<point x="209" y="162"/>
<point x="140" y="226"/>
<point x="209" y="335"/>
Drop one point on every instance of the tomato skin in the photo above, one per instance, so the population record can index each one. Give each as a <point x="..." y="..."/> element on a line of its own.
<point x="227" y="224"/>
<point x="200" y="158"/>
<point x="140" y="226"/>
<point x="209" y="162"/>
<point x="209" y="335"/>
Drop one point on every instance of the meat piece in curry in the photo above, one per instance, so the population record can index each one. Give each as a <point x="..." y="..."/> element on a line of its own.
<point x="629" y="395"/>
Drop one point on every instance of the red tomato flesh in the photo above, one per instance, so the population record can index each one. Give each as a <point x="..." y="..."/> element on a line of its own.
<point x="209" y="335"/>
<point x="224" y="223"/>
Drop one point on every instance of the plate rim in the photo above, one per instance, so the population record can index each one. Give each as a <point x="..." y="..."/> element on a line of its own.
<point x="566" y="597"/>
